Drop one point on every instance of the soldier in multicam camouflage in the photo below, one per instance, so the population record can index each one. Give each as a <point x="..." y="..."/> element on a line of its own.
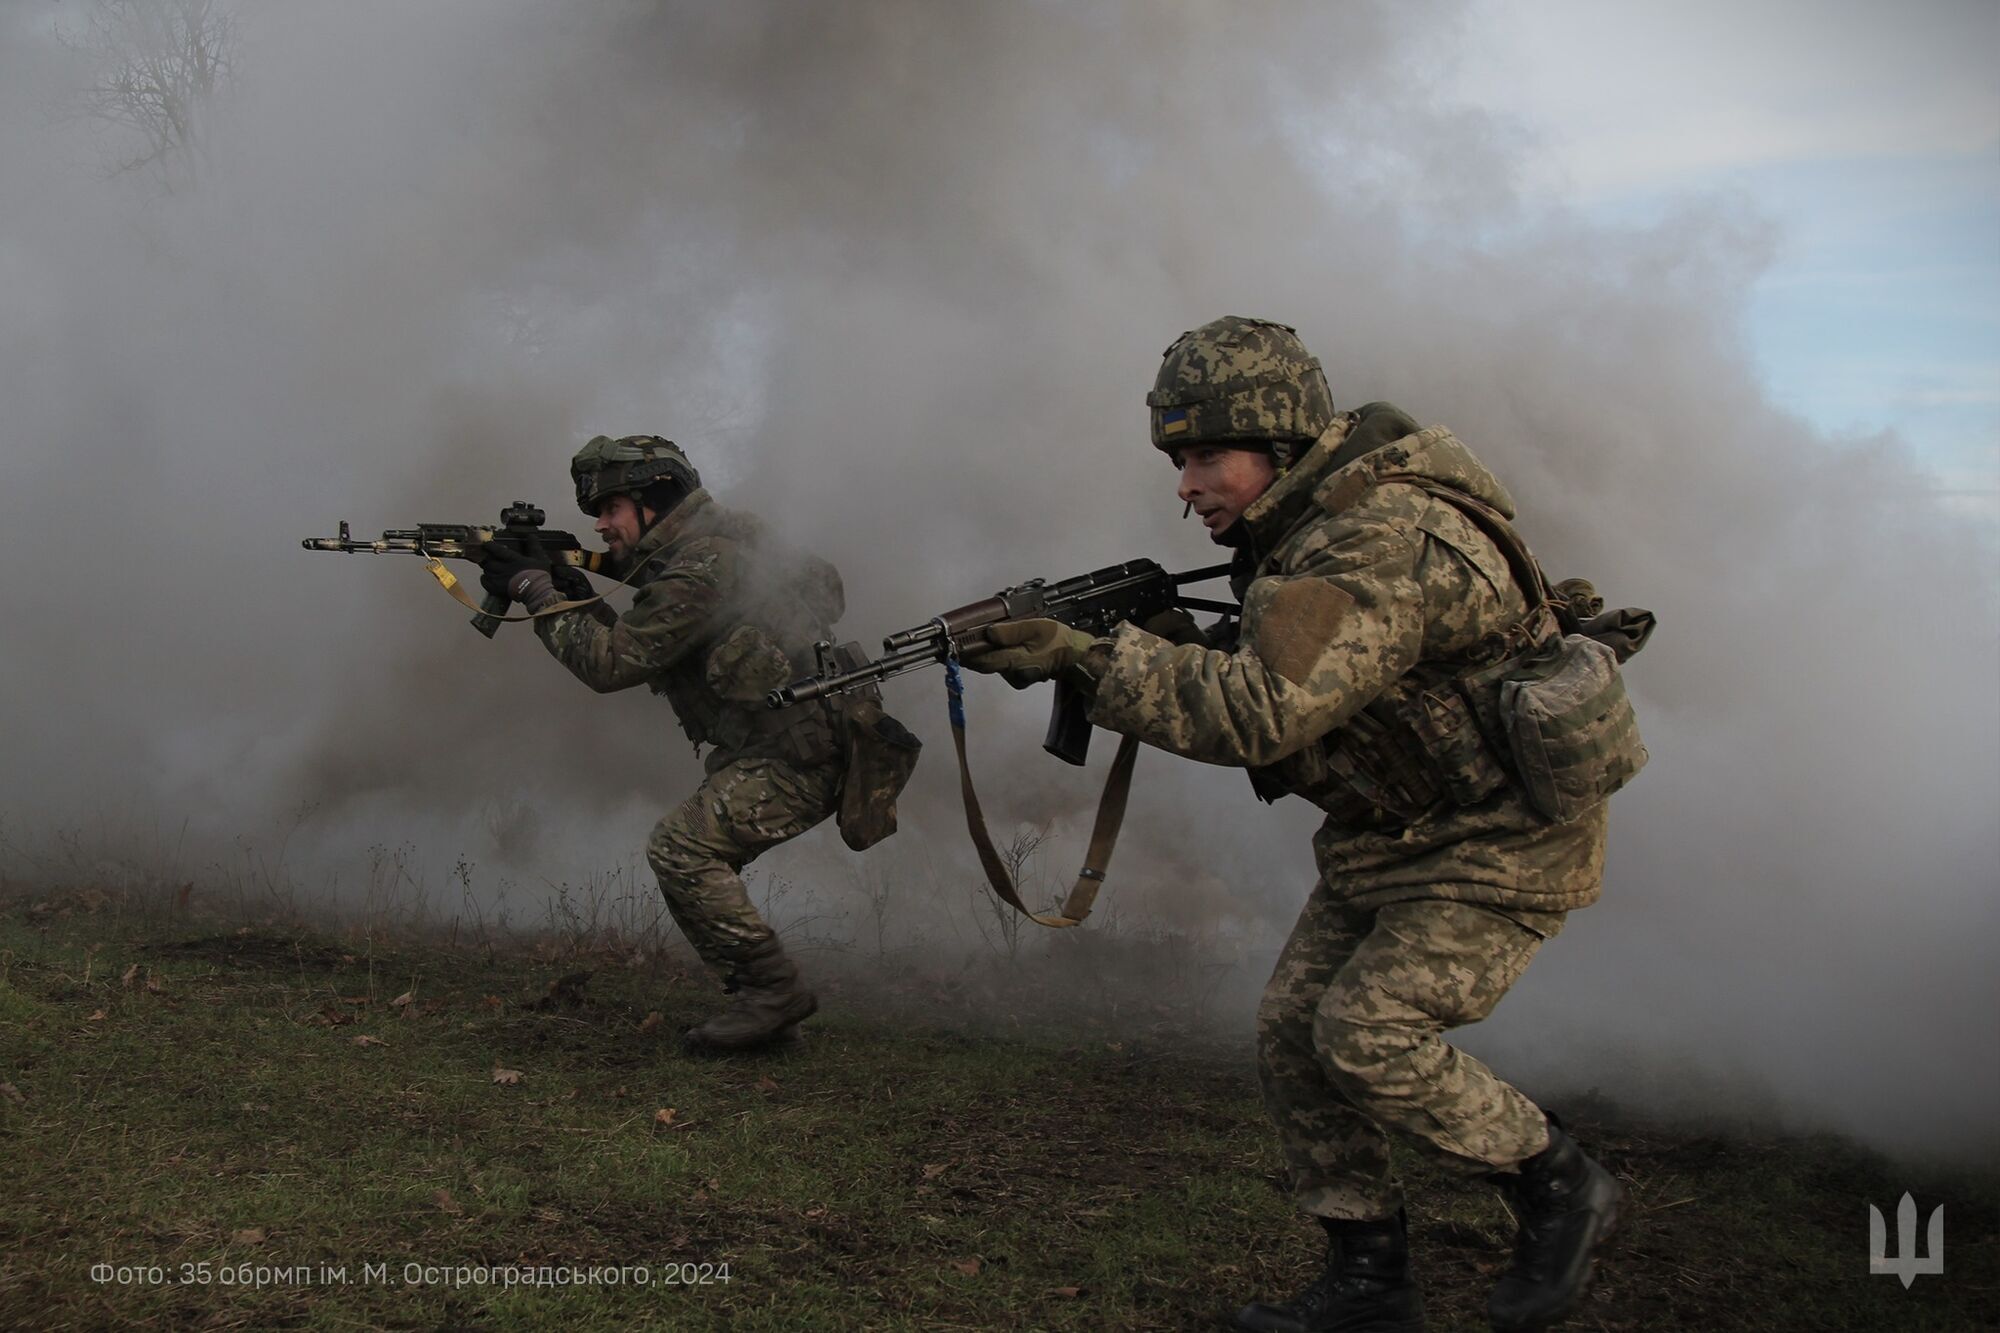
<point x="722" y="614"/>
<point x="1367" y="583"/>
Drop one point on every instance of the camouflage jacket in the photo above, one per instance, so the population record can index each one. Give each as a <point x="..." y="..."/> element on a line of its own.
<point x="721" y="614"/>
<point x="1360" y="589"/>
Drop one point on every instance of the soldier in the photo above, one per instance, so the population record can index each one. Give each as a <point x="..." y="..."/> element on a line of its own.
<point x="721" y="614"/>
<point x="1371" y="559"/>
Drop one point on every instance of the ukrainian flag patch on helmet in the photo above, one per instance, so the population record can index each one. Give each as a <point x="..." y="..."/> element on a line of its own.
<point x="1174" y="422"/>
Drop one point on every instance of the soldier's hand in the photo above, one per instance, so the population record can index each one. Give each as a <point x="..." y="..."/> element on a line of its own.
<point x="571" y="583"/>
<point x="1176" y="626"/>
<point x="502" y="564"/>
<point x="1026" y="652"/>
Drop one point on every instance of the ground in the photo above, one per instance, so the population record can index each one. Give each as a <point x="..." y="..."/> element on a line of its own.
<point x="209" y="1125"/>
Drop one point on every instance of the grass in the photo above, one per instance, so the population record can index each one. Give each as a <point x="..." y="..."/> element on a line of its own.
<point x="194" y="1097"/>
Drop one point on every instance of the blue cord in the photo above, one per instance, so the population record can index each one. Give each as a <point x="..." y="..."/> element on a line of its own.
<point x="954" y="690"/>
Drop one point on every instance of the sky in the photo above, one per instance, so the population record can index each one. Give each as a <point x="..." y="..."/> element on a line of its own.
<point x="1864" y="139"/>
<point x="897" y="276"/>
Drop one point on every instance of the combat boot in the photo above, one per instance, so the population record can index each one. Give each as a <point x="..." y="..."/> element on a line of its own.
<point x="1566" y="1205"/>
<point x="1366" y="1287"/>
<point x="769" y="1002"/>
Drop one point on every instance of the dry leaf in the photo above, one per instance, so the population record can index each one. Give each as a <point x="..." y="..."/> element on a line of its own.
<point x="545" y="1214"/>
<point x="97" y="1017"/>
<point x="131" y="976"/>
<point x="1067" y="1293"/>
<point x="491" y="1001"/>
<point x="11" y="1093"/>
<point x="154" y="985"/>
<point x="620" y="1091"/>
<point x="407" y="997"/>
<point x="651" y="1021"/>
<point x="506" y="1078"/>
<point x="442" y="1198"/>
<point x="247" y="1236"/>
<point x="767" y="1084"/>
<point x="365" y="1040"/>
<point x="934" y="1170"/>
<point x="968" y="1267"/>
<point x="816" y="1212"/>
<point x="665" y="1116"/>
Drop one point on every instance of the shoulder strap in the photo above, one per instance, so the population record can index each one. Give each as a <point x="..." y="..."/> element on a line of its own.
<point x="1527" y="571"/>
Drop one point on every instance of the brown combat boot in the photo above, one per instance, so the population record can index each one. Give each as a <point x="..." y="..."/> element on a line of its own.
<point x="769" y="1004"/>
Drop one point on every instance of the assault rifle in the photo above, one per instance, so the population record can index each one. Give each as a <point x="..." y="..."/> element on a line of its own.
<point x="1096" y="602"/>
<point x="520" y="529"/>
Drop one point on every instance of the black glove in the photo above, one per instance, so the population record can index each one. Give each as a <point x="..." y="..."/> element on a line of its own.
<point x="1176" y="626"/>
<point x="502" y="564"/>
<point x="571" y="583"/>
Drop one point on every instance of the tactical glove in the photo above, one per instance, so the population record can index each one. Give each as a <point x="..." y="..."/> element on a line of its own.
<point x="503" y="564"/>
<point x="571" y="583"/>
<point x="1176" y="626"/>
<point x="1026" y="652"/>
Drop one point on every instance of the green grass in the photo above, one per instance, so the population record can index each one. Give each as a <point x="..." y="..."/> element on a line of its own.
<point x="885" y="1175"/>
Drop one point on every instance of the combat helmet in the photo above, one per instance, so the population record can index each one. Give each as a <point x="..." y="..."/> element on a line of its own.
<point x="1240" y="382"/>
<point x="631" y="463"/>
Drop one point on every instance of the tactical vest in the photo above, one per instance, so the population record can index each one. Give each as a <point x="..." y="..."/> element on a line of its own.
<point x="717" y="687"/>
<point x="1540" y="706"/>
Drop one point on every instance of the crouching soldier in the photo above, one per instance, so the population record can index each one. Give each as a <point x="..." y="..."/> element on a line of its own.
<point x="1387" y="609"/>
<point x="722" y="613"/>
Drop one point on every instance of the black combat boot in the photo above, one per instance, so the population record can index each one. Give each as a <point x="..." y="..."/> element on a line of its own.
<point x="1567" y="1205"/>
<point x="1366" y="1287"/>
<point x="769" y="1003"/>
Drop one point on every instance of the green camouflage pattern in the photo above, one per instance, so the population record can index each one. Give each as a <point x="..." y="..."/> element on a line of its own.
<point x="1362" y="593"/>
<point x="1349" y="1049"/>
<point x="698" y="852"/>
<point x="606" y="467"/>
<point x="1236" y="380"/>
<point x="721" y="615"/>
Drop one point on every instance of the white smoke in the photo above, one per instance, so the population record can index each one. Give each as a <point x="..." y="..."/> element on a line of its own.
<point x="898" y="275"/>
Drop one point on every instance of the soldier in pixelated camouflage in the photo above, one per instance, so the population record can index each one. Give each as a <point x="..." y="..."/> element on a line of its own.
<point x="722" y="614"/>
<point x="1376" y="598"/>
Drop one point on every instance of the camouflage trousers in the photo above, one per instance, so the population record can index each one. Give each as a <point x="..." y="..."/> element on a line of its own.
<point x="1349" y="1046"/>
<point x="741" y="810"/>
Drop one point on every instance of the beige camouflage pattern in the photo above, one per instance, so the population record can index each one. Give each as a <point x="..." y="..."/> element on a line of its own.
<point x="1239" y="379"/>
<point x="1348" y="1046"/>
<point x="1364" y="593"/>
<point x="1356" y="585"/>
<point x="699" y="851"/>
<point x="721" y="613"/>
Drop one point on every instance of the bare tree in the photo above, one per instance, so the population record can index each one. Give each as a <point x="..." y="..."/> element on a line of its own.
<point x="157" y="68"/>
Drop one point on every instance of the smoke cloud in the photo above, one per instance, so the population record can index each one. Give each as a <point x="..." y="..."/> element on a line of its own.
<point x="897" y="276"/>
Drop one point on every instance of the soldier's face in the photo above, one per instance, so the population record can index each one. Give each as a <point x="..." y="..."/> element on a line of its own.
<point x="1221" y="483"/>
<point x="620" y="521"/>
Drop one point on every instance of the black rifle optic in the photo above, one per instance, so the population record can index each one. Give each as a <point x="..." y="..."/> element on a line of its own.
<point x="520" y="529"/>
<point x="1095" y="603"/>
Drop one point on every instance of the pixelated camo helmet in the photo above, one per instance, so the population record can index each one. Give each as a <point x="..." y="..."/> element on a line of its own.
<point x="1241" y="382"/>
<point x="631" y="463"/>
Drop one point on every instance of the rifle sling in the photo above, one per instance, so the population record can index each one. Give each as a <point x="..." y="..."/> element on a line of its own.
<point x="1103" y="834"/>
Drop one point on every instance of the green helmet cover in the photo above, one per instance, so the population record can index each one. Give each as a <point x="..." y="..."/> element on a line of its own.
<point x="630" y="463"/>
<point x="1243" y="383"/>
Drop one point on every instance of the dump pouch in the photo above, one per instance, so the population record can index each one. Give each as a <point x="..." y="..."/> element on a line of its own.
<point x="881" y="755"/>
<point x="1570" y="727"/>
